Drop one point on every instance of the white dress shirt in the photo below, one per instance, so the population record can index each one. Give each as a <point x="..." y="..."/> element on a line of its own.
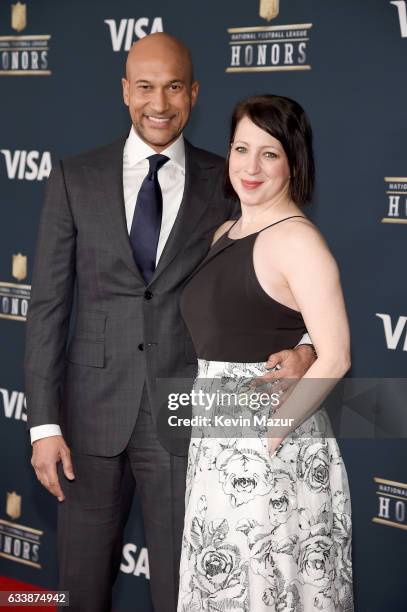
<point x="171" y="177"/>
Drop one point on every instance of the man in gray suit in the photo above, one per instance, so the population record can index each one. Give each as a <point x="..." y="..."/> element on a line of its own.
<point x="104" y="325"/>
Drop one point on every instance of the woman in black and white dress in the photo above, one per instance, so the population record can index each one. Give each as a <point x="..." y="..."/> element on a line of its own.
<point x="268" y="518"/>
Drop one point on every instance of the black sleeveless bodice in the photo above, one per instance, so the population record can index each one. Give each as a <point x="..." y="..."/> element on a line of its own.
<point x="229" y="315"/>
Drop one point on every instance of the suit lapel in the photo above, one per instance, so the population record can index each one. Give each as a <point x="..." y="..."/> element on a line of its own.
<point x="195" y="200"/>
<point x="108" y="182"/>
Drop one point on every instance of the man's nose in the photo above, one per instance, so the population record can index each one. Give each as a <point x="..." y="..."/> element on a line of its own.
<point x="159" y="101"/>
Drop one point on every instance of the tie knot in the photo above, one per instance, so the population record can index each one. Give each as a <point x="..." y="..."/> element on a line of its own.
<point x="156" y="161"/>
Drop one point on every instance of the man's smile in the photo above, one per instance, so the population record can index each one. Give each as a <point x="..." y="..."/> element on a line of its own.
<point x="158" y="122"/>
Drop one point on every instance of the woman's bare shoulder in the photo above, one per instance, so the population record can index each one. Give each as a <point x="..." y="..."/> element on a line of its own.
<point x="222" y="229"/>
<point x="294" y="243"/>
<point x="295" y="232"/>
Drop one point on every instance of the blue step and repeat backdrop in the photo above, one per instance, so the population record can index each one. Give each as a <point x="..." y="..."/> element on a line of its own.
<point x="60" y="93"/>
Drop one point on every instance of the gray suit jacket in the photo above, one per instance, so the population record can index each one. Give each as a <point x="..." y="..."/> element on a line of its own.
<point x="95" y="333"/>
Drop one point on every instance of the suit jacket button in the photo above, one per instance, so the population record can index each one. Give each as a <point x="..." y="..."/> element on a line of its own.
<point x="148" y="295"/>
<point x="141" y="347"/>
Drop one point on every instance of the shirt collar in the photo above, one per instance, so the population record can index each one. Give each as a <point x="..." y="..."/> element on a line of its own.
<point x="136" y="150"/>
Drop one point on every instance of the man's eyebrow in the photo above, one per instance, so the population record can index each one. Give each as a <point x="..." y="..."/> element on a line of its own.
<point x="139" y="81"/>
<point x="181" y="81"/>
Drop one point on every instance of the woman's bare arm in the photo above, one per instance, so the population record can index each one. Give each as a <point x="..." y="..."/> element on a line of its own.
<point x="312" y="276"/>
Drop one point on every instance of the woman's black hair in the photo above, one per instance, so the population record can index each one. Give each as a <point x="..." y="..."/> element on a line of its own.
<point x="286" y="120"/>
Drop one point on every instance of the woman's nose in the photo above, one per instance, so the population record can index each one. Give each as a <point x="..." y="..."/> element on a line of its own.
<point x="252" y="164"/>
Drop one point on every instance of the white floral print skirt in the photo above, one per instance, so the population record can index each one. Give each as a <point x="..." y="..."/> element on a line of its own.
<point x="261" y="533"/>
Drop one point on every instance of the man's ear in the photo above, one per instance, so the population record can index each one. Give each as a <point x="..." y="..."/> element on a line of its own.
<point x="126" y="95"/>
<point x="194" y="92"/>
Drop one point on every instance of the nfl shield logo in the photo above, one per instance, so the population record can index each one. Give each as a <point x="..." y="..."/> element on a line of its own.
<point x="269" y="9"/>
<point x="13" y="507"/>
<point x="18" y="16"/>
<point x="19" y="270"/>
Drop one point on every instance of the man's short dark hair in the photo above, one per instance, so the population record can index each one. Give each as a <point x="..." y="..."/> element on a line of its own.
<point x="286" y="120"/>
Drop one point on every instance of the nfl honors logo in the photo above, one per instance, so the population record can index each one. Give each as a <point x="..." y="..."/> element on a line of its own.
<point x="18" y="542"/>
<point x="396" y="194"/>
<point x="269" y="9"/>
<point x="23" y="55"/>
<point x="269" y="48"/>
<point x="15" y="297"/>
<point x="392" y="503"/>
<point x="18" y="16"/>
<point x="19" y="271"/>
<point x="13" y="505"/>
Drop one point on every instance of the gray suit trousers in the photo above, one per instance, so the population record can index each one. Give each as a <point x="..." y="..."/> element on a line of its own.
<point x="92" y="519"/>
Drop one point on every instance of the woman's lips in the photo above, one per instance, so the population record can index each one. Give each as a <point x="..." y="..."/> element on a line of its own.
<point x="251" y="184"/>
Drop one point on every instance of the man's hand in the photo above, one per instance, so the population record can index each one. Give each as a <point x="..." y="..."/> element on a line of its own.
<point x="273" y="444"/>
<point x="46" y="454"/>
<point x="290" y="363"/>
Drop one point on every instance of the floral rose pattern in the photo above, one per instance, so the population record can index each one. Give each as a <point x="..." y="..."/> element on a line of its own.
<point x="216" y="578"/>
<point x="283" y="497"/>
<point x="243" y="473"/>
<point x="261" y="533"/>
<point x="313" y="466"/>
<point x="315" y="559"/>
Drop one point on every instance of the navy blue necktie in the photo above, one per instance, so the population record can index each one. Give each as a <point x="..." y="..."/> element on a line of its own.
<point x="146" y="225"/>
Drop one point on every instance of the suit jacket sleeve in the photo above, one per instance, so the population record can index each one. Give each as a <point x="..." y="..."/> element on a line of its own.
<point x="51" y="302"/>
